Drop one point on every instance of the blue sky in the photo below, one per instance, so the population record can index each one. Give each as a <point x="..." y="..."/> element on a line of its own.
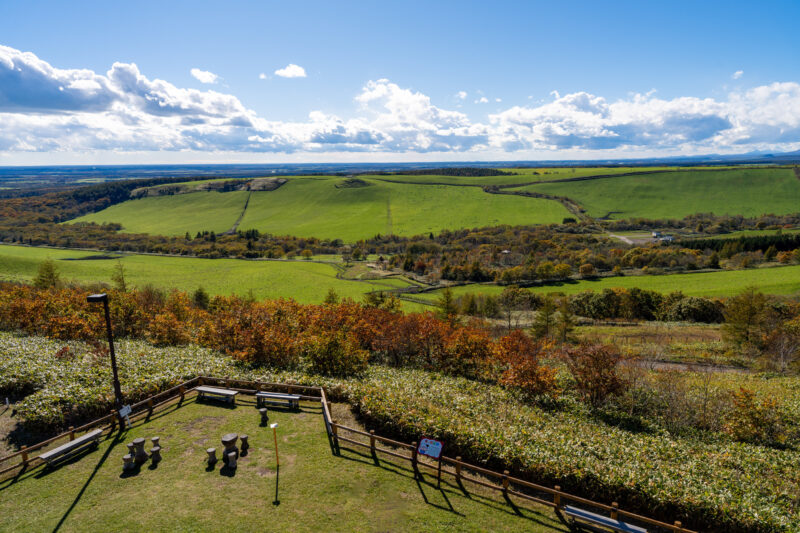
<point x="389" y="81"/>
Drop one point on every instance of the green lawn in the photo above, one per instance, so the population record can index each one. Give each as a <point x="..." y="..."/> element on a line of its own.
<point x="305" y="281"/>
<point x="316" y="207"/>
<point x="313" y="490"/>
<point x="175" y="214"/>
<point x="777" y="280"/>
<point x="747" y="192"/>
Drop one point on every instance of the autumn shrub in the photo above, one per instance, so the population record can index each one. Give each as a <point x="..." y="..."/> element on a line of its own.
<point x="594" y="369"/>
<point x="167" y="329"/>
<point x="760" y="420"/>
<point x="519" y="357"/>
<point x="334" y="355"/>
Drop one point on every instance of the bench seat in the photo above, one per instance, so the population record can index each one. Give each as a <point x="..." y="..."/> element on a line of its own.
<point x="293" y="400"/>
<point x="604" y="521"/>
<point x="92" y="438"/>
<point x="220" y="394"/>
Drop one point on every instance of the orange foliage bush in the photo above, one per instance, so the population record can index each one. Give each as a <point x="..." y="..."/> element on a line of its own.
<point x="520" y="355"/>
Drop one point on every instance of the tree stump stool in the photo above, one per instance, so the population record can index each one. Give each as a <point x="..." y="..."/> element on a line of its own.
<point x="232" y="460"/>
<point x="245" y="444"/>
<point x="155" y="454"/>
<point x="264" y="416"/>
<point x="229" y="441"/>
<point x="154" y="440"/>
<point x="212" y="456"/>
<point x="128" y="463"/>
<point x="131" y="451"/>
<point x="140" y="455"/>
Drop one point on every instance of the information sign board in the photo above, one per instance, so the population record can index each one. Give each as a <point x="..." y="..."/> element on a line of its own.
<point x="430" y="447"/>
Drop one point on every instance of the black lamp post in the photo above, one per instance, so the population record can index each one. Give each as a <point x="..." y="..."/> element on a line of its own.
<point x="103" y="297"/>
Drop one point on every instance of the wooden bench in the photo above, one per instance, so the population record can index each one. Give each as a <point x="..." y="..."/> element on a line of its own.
<point x="292" y="400"/>
<point x="593" y="519"/>
<point x="90" y="439"/>
<point x="219" y="394"/>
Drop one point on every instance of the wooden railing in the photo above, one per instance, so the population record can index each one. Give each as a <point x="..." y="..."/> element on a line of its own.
<point x="507" y="482"/>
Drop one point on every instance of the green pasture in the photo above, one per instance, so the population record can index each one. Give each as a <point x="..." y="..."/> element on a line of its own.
<point x="311" y="490"/>
<point x="783" y="280"/>
<point x="747" y="192"/>
<point x="305" y="281"/>
<point x="321" y="207"/>
<point x="175" y="214"/>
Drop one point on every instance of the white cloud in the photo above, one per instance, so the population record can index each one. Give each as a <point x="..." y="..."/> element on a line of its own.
<point x="204" y="76"/>
<point x="738" y="74"/>
<point x="262" y="76"/>
<point x="48" y="110"/>
<point x="461" y="95"/>
<point x="291" y="71"/>
<point x="498" y="100"/>
<point x="482" y="100"/>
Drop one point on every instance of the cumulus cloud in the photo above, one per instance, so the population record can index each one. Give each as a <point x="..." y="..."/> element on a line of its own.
<point x="461" y="95"/>
<point x="738" y="74"/>
<point x="291" y="71"/>
<point x="262" y="76"/>
<point x="482" y="100"/>
<point x="204" y="76"/>
<point x="47" y="109"/>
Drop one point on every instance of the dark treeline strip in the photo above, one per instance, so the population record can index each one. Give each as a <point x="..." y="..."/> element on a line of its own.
<point x="746" y="243"/>
<point x="467" y="172"/>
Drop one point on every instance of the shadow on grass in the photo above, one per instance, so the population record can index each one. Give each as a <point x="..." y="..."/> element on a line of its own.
<point x="276" y="501"/>
<point x="447" y="489"/>
<point x="114" y="443"/>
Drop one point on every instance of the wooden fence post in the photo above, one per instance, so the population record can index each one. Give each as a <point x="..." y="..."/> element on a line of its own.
<point x="150" y="407"/>
<point x="24" y="456"/>
<point x="614" y="513"/>
<point x="335" y="430"/>
<point x="414" y="458"/>
<point x="372" y="441"/>
<point x="458" y="468"/>
<point x="200" y="380"/>
<point x="678" y="524"/>
<point x="113" y="420"/>
<point x="557" y="496"/>
<point x="182" y="391"/>
<point x="505" y="482"/>
<point x="72" y="433"/>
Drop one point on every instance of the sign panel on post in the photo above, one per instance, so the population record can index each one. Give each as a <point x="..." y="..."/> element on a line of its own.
<point x="124" y="413"/>
<point x="430" y="447"/>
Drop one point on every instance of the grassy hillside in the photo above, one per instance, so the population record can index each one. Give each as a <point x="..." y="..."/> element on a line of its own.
<point x="304" y="281"/>
<point x="748" y="192"/>
<point x="175" y="215"/>
<point x="326" y="208"/>
<point x="778" y="280"/>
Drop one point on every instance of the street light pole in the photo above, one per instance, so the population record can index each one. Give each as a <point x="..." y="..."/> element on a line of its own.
<point x="103" y="297"/>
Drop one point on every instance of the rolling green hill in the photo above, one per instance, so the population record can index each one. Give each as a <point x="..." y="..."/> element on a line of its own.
<point x="747" y="192"/>
<point x="175" y="214"/>
<point x="331" y="208"/>
<point x="306" y="282"/>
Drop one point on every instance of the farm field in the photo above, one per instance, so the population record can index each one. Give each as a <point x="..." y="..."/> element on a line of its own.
<point x="776" y="280"/>
<point x="316" y="207"/>
<point x="747" y="192"/>
<point x="313" y="490"/>
<point x="305" y="281"/>
<point x="175" y="214"/>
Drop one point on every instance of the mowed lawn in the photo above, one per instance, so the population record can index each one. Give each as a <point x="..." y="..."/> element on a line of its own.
<point x="175" y="214"/>
<point x="312" y="490"/>
<point x="747" y="192"/>
<point x="783" y="280"/>
<point x="306" y="282"/>
<point x="321" y="207"/>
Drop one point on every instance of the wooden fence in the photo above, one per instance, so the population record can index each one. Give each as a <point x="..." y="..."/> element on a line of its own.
<point x="508" y="485"/>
